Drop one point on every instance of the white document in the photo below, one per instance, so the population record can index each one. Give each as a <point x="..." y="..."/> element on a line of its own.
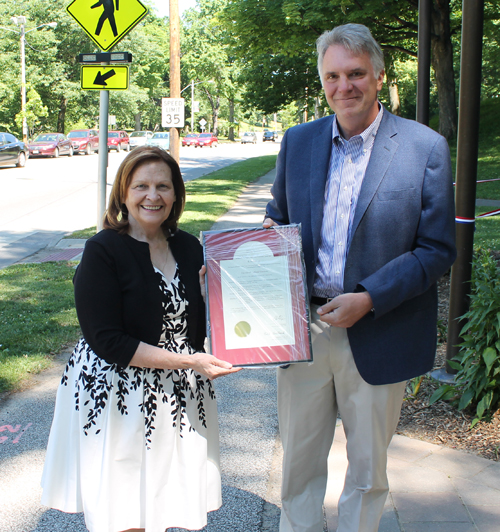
<point x="256" y="298"/>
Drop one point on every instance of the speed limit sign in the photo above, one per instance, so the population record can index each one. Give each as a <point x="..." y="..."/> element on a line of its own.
<point x="172" y="112"/>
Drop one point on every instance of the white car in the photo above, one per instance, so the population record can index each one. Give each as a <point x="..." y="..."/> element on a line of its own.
<point x="160" y="140"/>
<point x="139" y="138"/>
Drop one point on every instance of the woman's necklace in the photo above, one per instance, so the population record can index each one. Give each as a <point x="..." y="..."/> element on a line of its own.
<point x="163" y="260"/>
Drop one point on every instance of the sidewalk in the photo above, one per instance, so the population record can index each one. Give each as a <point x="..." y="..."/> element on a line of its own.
<point x="432" y="488"/>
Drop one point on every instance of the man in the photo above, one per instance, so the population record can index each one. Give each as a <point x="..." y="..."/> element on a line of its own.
<point x="374" y="195"/>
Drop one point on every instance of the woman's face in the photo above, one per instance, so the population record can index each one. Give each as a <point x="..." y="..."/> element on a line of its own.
<point x="150" y="195"/>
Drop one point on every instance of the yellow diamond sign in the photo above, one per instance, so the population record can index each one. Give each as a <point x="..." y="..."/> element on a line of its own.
<point x="106" y="22"/>
<point x="97" y="77"/>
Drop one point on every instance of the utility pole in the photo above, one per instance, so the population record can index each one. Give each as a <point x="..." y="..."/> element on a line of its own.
<point x="175" y="70"/>
<point x="466" y="175"/>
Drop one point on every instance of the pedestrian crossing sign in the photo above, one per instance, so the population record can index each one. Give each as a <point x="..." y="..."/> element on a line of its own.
<point x="106" y="22"/>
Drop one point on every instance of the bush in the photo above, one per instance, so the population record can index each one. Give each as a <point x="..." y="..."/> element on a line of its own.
<point x="477" y="383"/>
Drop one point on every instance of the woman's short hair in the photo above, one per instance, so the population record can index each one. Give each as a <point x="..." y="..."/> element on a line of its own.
<point x="116" y="216"/>
<point x="356" y="38"/>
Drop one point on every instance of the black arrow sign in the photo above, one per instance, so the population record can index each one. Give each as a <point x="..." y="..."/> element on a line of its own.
<point x="100" y="79"/>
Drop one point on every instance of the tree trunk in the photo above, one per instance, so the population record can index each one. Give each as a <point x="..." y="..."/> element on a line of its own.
<point x="394" y="97"/>
<point x="215" y="114"/>
<point x="318" y="108"/>
<point x="137" y="119"/>
<point x="62" y="115"/>
<point x="215" y="104"/>
<point x="231" y="119"/>
<point x="442" y="63"/>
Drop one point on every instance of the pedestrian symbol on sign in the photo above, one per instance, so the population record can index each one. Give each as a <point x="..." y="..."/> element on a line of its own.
<point x="107" y="14"/>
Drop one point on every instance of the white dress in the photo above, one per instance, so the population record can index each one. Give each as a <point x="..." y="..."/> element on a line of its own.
<point x="132" y="447"/>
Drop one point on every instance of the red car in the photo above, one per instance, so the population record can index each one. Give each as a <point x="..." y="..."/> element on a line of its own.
<point x="118" y="140"/>
<point x="190" y="140"/>
<point x="206" y="139"/>
<point x="50" y="145"/>
<point x="84" y="140"/>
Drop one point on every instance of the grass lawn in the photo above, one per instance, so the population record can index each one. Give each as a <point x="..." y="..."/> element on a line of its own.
<point x="37" y="314"/>
<point x="38" y="318"/>
<point x="487" y="233"/>
<point x="488" y="167"/>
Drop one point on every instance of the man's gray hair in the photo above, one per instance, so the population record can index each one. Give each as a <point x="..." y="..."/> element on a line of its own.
<point x="353" y="37"/>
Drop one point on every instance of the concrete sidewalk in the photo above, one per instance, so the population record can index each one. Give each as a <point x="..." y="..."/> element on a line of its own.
<point x="432" y="488"/>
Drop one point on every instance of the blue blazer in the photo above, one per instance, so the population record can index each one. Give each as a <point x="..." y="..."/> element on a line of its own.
<point x="402" y="239"/>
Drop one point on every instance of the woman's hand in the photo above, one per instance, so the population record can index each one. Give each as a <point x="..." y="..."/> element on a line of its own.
<point x="202" y="274"/>
<point x="211" y="367"/>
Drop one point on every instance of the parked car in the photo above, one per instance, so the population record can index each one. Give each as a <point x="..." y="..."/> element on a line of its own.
<point x="270" y="135"/>
<point x="160" y="139"/>
<point x="249" y="136"/>
<point x="50" y="145"/>
<point x="139" y="138"/>
<point x="206" y="139"/>
<point x="118" y="140"/>
<point x="84" y="140"/>
<point x="12" y="151"/>
<point x="190" y="140"/>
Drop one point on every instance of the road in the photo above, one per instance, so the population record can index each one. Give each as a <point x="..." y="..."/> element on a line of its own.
<point x="50" y="197"/>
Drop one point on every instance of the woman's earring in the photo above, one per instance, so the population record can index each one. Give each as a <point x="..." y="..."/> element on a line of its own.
<point x="123" y="214"/>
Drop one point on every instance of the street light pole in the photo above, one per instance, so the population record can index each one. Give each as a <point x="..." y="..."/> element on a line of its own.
<point x="192" y="106"/>
<point x="192" y="84"/>
<point x="21" y="21"/>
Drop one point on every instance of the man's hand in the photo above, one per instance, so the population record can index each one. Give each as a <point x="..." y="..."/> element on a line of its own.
<point x="345" y="310"/>
<point x="268" y="223"/>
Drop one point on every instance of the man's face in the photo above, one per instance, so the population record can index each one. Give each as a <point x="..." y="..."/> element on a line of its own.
<point x="351" y="88"/>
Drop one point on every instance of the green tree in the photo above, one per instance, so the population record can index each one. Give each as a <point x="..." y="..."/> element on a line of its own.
<point x="206" y="57"/>
<point x="281" y="30"/>
<point x="35" y="111"/>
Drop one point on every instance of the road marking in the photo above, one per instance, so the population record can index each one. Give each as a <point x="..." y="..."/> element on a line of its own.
<point x="13" y="430"/>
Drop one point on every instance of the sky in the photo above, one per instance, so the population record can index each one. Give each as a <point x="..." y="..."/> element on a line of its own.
<point x="162" y="6"/>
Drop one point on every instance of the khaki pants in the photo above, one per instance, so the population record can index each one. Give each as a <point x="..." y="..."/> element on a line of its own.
<point x="309" y="397"/>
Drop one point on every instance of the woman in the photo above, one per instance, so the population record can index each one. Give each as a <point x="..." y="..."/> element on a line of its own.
<point x="134" y="441"/>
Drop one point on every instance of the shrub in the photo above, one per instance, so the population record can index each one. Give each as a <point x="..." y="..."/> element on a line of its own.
<point x="477" y="383"/>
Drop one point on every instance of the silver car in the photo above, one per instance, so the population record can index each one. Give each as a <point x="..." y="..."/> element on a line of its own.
<point x="249" y="136"/>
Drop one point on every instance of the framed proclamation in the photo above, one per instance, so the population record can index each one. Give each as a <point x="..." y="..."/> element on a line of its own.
<point x="257" y="308"/>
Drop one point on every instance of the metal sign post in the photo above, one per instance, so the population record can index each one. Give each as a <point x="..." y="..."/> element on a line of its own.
<point x="103" y="157"/>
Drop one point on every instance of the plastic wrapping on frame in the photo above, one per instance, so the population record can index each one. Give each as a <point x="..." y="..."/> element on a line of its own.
<point x="257" y="305"/>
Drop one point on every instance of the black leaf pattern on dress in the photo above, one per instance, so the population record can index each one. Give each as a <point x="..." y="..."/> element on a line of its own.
<point x="96" y="376"/>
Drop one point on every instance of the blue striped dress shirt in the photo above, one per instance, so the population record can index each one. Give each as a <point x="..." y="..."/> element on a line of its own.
<point x="348" y="163"/>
